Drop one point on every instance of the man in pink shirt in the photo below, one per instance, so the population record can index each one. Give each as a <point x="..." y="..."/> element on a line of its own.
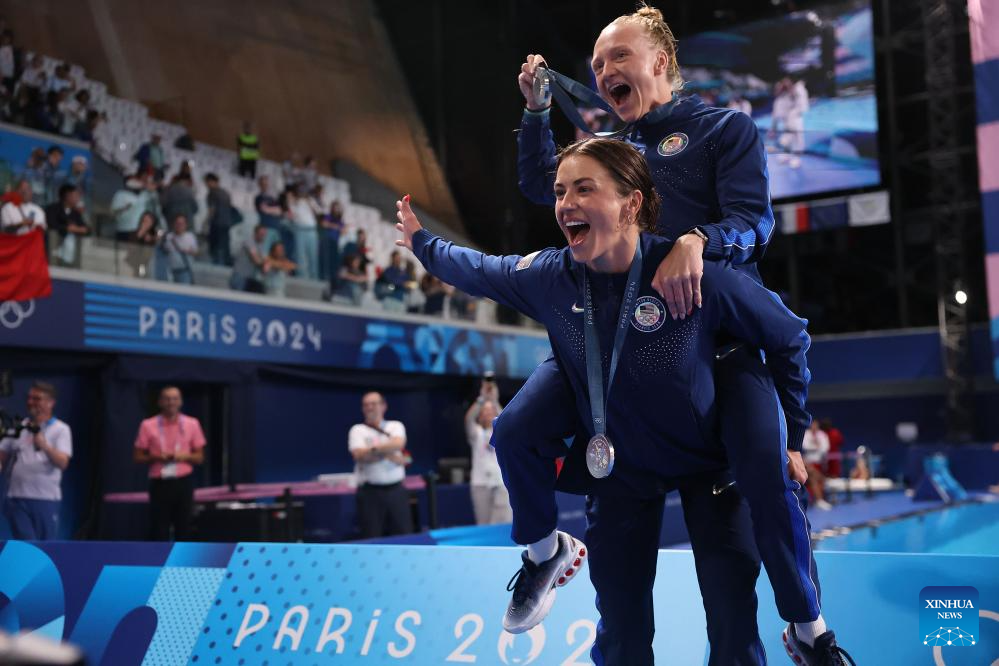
<point x="170" y="443"/>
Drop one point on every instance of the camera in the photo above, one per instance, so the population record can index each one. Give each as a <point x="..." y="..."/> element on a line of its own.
<point x="489" y="377"/>
<point x="12" y="425"/>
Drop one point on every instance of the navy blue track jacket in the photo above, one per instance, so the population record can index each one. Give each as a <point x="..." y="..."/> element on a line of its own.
<point x="661" y="408"/>
<point x="708" y="164"/>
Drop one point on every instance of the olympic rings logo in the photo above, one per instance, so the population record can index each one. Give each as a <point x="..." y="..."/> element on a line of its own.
<point x="13" y="313"/>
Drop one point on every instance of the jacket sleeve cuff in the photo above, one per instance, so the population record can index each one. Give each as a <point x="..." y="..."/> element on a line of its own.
<point x="421" y="239"/>
<point x="795" y="435"/>
<point x="715" y="248"/>
<point x="535" y="117"/>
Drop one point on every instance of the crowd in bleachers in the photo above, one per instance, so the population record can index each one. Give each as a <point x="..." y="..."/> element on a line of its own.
<point x="184" y="205"/>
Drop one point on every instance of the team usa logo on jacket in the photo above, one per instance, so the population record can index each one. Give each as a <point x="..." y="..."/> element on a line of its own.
<point x="673" y="144"/>
<point x="650" y="314"/>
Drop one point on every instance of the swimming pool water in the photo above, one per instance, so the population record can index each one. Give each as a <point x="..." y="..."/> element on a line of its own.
<point x="968" y="529"/>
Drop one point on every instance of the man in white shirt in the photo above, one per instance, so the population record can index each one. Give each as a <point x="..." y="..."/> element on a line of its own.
<point x="37" y="458"/>
<point x="20" y="218"/>
<point x="306" y="235"/>
<point x="378" y="447"/>
<point x="815" y="449"/>
<point x="490" y="499"/>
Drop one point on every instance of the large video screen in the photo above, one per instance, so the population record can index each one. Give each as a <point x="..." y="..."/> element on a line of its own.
<point x="807" y="79"/>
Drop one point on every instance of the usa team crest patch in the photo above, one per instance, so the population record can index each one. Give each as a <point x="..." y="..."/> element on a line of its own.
<point x="649" y="315"/>
<point x="673" y="144"/>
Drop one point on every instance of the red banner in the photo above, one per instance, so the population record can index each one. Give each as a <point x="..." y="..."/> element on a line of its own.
<point x="24" y="269"/>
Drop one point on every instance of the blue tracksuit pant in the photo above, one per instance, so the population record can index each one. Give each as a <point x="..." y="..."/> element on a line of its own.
<point x="626" y="530"/>
<point x="529" y="434"/>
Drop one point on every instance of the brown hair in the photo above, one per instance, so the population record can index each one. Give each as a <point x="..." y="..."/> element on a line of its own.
<point x="651" y="19"/>
<point x="629" y="170"/>
<point x="46" y="388"/>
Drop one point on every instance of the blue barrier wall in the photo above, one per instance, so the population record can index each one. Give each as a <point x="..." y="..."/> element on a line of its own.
<point x="128" y="603"/>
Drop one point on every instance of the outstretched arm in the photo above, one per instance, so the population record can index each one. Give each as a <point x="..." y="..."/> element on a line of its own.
<point x="521" y="283"/>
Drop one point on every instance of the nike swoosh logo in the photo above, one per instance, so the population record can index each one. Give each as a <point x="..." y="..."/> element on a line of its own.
<point x="576" y="309"/>
<point x="718" y="490"/>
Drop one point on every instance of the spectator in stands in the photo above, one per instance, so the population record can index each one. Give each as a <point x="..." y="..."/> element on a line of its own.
<point x="276" y="270"/>
<point x="178" y="198"/>
<point x="309" y="177"/>
<point x="144" y="246"/>
<point x="8" y="61"/>
<point x="353" y="281"/>
<point x="38" y="458"/>
<point x="20" y="214"/>
<point x="268" y="208"/>
<point x="331" y="226"/>
<point x="248" y="147"/>
<point x="490" y="499"/>
<point x="34" y="172"/>
<point x="98" y="133"/>
<point x="180" y="246"/>
<point x="305" y="228"/>
<point x="463" y="306"/>
<point x="291" y="170"/>
<point x="127" y="205"/>
<point x="247" y="268"/>
<point x="33" y="77"/>
<point x="74" y="110"/>
<point x="60" y="80"/>
<point x="434" y="293"/>
<point x="415" y="300"/>
<point x="170" y="443"/>
<point x="66" y="219"/>
<point x="358" y="246"/>
<point x="378" y="448"/>
<point x="53" y="175"/>
<point x="393" y="284"/>
<point x="834" y="466"/>
<point x="79" y="177"/>
<point x="20" y="109"/>
<point x="151" y="158"/>
<point x="815" y="449"/>
<point x="219" y="221"/>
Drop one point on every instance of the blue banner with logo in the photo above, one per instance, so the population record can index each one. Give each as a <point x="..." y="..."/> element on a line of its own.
<point x="116" y="318"/>
<point x="157" y="603"/>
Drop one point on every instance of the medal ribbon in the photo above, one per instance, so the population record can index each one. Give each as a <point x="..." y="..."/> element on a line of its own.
<point x="594" y="364"/>
<point x="562" y="87"/>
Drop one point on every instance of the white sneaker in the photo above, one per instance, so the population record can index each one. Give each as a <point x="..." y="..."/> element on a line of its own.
<point x="823" y="505"/>
<point x="533" y="586"/>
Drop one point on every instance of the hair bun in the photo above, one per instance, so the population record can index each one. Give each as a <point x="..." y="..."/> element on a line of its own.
<point x="649" y="12"/>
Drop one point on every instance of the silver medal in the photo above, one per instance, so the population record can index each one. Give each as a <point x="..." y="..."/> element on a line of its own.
<point x="542" y="87"/>
<point x="600" y="456"/>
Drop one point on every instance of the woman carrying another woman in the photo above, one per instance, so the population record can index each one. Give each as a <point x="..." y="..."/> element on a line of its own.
<point x="657" y="372"/>
<point x="709" y="166"/>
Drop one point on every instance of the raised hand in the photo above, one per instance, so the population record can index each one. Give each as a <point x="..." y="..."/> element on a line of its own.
<point x="526" y="80"/>
<point x="408" y="223"/>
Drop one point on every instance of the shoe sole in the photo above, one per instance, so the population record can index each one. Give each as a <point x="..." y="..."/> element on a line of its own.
<point x="796" y="656"/>
<point x="567" y="574"/>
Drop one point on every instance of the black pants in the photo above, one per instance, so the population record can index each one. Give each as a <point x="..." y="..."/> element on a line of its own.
<point x="383" y="510"/>
<point x="247" y="168"/>
<point x="170" y="505"/>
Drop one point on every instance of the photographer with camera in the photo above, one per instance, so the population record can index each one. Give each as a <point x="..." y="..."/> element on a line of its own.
<point x="34" y="454"/>
<point x="490" y="500"/>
